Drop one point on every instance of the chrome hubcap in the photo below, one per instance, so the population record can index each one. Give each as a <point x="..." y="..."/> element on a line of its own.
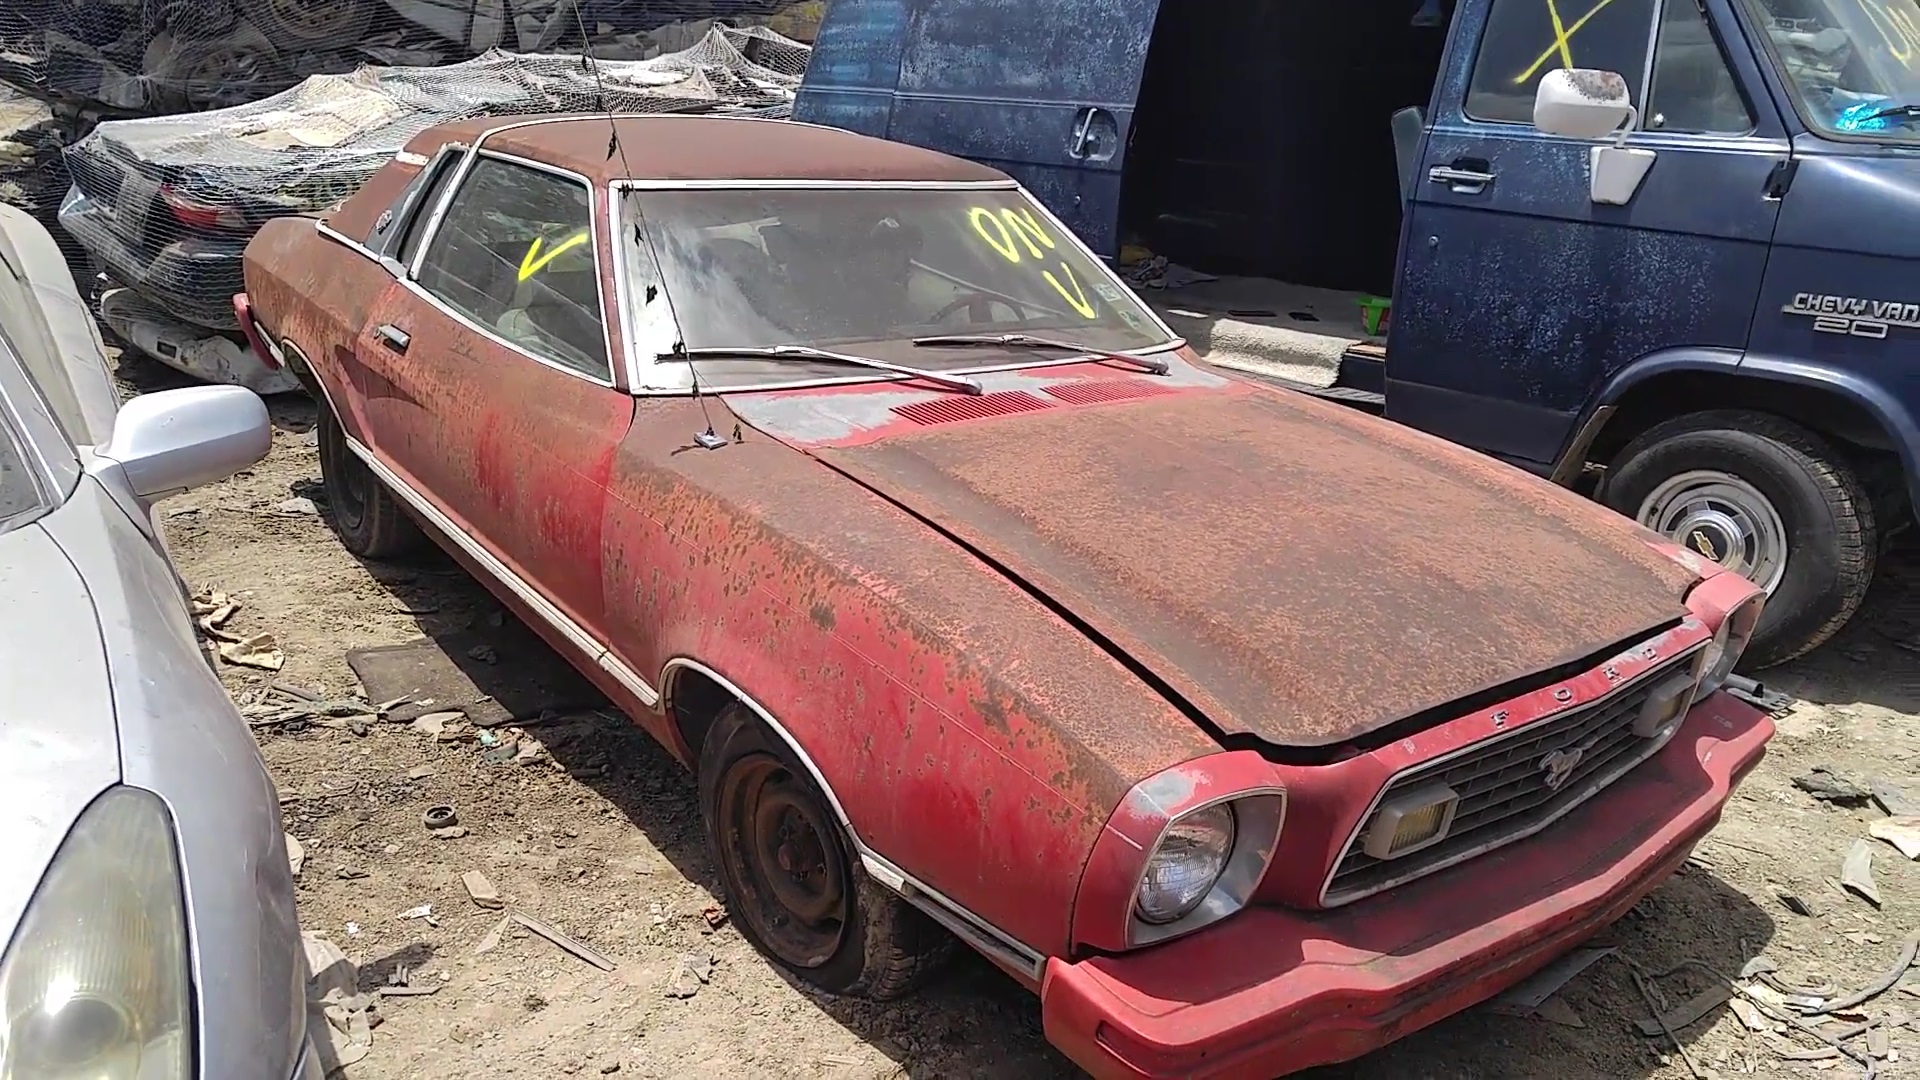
<point x="1721" y="517"/>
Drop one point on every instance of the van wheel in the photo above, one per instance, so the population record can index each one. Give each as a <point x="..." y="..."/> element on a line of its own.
<point x="365" y="516"/>
<point x="1766" y="497"/>
<point x="794" y="884"/>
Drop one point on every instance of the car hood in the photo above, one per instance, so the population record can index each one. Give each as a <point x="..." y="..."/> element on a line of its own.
<point x="58" y="744"/>
<point x="1294" y="571"/>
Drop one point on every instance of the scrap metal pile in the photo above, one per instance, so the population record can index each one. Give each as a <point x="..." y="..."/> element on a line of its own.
<point x="165" y="205"/>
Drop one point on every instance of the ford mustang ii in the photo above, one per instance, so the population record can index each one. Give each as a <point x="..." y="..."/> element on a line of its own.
<point x="1250" y="732"/>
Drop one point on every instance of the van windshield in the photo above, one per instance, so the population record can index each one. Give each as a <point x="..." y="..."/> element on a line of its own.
<point x="866" y="270"/>
<point x="1854" y="63"/>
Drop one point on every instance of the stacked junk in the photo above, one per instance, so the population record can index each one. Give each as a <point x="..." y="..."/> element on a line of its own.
<point x="161" y="134"/>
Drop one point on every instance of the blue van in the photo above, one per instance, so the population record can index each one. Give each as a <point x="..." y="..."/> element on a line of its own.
<point x="1729" y="352"/>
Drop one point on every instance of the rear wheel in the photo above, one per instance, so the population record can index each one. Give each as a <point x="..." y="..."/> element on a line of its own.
<point x="368" y="520"/>
<point x="794" y="884"/>
<point x="1763" y="496"/>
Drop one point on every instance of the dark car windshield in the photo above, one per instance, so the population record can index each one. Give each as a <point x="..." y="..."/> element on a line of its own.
<point x="1849" y="60"/>
<point x="867" y="270"/>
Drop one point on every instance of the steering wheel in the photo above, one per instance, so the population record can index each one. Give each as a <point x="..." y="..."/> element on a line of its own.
<point x="979" y="307"/>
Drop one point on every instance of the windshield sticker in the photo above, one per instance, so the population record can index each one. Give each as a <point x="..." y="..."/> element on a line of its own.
<point x="1013" y="229"/>
<point x="536" y="260"/>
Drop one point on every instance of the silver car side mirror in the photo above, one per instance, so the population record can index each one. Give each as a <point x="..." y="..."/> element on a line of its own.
<point x="167" y="442"/>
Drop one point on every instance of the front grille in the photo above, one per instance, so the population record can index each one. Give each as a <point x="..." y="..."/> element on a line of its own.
<point x="1502" y="788"/>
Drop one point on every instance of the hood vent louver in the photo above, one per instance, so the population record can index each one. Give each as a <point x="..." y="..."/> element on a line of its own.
<point x="1100" y="393"/>
<point x="949" y="410"/>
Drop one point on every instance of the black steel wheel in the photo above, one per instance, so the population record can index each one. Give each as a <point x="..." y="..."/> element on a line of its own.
<point x="369" y="522"/>
<point x="794" y="885"/>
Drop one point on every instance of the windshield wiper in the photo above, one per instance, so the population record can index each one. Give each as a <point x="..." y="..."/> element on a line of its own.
<point x="1028" y="341"/>
<point x="1906" y="112"/>
<point x="808" y="352"/>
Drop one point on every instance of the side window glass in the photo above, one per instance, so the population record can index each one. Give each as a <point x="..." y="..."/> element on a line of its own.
<point x="385" y="236"/>
<point x="415" y="225"/>
<point x="1693" y="90"/>
<point x="1525" y="39"/>
<point x="514" y="253"/>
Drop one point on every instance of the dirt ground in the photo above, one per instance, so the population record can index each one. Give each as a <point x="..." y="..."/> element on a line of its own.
<point x="607" y="845"/>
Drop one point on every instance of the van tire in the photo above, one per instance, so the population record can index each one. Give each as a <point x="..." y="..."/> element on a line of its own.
<point x="1830" y="535"/>
<point x="365" y="515"/>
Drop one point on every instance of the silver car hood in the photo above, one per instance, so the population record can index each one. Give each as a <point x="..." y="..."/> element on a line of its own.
<point x="58" y="744"/>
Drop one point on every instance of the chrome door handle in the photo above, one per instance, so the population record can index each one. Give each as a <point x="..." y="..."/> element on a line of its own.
<point x="1463" y="181"/>
<point x="393" y="337"/>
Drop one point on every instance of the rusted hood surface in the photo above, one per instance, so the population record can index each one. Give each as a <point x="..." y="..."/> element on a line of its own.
<point x="1298" y="572"/>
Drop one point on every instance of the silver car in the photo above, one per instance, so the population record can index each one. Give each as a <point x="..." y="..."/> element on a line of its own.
<point x="145" y="895"/>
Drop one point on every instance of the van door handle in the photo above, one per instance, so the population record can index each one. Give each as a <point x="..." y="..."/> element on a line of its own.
<point x="393" y="337"/>
<point x="1460" y="181"/>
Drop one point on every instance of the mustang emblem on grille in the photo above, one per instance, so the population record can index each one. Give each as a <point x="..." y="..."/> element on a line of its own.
<point x="1559" y="765"/>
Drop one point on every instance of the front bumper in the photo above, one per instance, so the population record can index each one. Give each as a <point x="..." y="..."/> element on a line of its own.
<point x="1272" y="990"/>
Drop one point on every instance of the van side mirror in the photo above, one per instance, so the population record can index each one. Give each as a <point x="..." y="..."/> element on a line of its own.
<point x="1582" y="103"/>
<point x="1592" y="105"/>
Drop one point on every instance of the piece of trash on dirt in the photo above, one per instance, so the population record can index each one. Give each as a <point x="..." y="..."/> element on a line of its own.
<point x="1901" y="832"/>
<point x="1828" y="786"/>
<point x="572" y="945"/>
<point x="531" y="752"/>
<point x="298" y="506"/>
<point x="1794" y="903"/>
<point x="439" y="817"/>
<point x="420" y="772"/>
<point x="451" y="832"/>
<point x="353" y="929"/>
<point x="434" y="724"/>
<point x="259" y="651"/>
<point x="689" y="975"/>
<point x="1530" y="997"/>
<point x="1892" y="798"/>
<point x="296" y="855"/>
<point x="340" y="1020"/>
<point x="488" y="738"/>
<point x="491" y="939"/>
<point x="1909" y="949"/>
<point x="423" y="912"/>
<point x="1749" y="1014"/>
<point x="501" y="754"/>
<point x="1856" y="873"/>
<point x="481" y="891"/>
<point x="1687" y="1012"/>
<point x="486" y="654"/>
<point x="1878" y="1044"/>
<point x="715" y="917"/>
<point x="348" y="873"/>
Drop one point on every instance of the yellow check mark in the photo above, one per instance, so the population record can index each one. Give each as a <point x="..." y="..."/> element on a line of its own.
<point x="535" y="261"/>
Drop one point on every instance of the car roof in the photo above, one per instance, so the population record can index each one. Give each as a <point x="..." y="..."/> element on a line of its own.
<point x="678" y="147"/>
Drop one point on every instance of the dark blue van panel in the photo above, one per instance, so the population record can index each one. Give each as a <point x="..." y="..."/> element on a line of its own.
<point x="1044" y="91"/>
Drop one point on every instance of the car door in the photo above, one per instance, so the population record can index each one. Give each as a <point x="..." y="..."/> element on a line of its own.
<point x="1518" y="294"/>
<point x="1043" y="91"/>
<point x="503" y="410"/>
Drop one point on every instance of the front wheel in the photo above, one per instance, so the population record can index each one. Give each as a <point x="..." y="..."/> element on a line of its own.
<point x="1763" y="496"/>
<point x="794" y="884"/>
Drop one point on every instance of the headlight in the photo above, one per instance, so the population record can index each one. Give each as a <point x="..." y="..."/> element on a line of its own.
<point x="95" y="984"/>
<point x="1184" y="867"/>
<point x="1723" y="652"/>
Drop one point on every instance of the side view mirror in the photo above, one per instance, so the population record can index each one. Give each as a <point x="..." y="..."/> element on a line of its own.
<point x="170" y="441"/>
<point x="1583" y="103"/>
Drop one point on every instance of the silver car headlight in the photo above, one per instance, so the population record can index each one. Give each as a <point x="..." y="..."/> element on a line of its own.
<point x="95" y="984"/>
<point x="1182" y="870"/>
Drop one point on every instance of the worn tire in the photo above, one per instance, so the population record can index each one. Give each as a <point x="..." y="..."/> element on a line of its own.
<point x="1832" y="541"/>
<point x="885" y="949"/>
<point x="304" y="24"/>
<point x="365" y="515"/>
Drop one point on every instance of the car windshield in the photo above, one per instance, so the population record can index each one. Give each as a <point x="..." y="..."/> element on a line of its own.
<point x="867" y="270"/>
<point x="1855" y="64"/>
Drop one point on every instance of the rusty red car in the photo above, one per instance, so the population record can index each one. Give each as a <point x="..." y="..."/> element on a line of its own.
<point x="1249" y="732"/>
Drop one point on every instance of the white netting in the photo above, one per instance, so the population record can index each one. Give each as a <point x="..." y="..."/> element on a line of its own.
<point x="165" y="205"/>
